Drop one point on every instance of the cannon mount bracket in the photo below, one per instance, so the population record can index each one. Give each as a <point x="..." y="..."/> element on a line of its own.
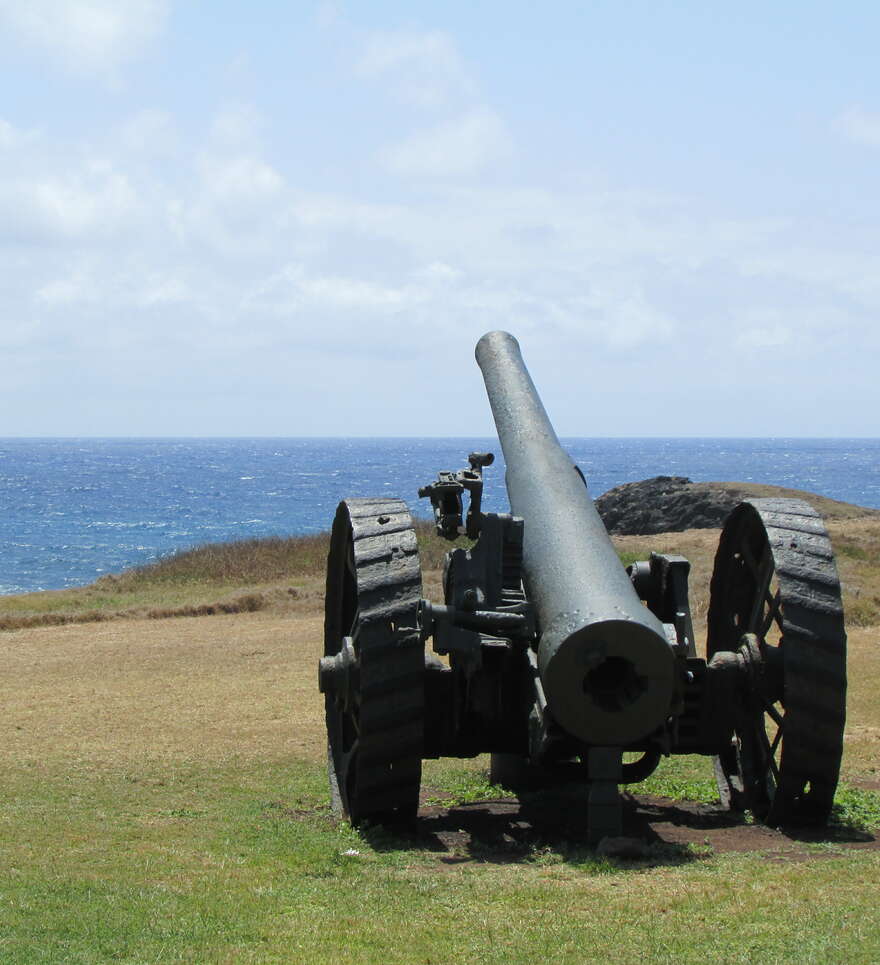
<point x="446" y="494"/>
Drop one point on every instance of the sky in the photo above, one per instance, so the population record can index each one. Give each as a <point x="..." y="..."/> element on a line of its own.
<point x="296" y="219"/>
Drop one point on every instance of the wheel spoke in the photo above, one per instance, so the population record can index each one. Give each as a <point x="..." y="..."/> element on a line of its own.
<point x="776" y="740"/>
<point x="347" y="758"/>
<point x="771" y="711"/>
<point x="763" y="575"/>
<point x="770" y="759"/>
<point x="773" y="613"/>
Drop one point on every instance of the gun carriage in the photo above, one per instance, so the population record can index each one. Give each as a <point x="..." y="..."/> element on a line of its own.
<point x="557" y="660"/>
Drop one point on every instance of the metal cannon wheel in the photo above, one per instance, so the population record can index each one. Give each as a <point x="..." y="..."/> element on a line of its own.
<point x="775" y="599"/>
<point x="372" y="674"/>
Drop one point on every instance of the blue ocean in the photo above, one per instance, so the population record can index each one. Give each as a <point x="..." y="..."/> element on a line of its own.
<point x="74" y="509"/>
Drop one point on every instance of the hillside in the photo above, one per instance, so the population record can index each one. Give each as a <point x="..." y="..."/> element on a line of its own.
<point x="286" y="575"/>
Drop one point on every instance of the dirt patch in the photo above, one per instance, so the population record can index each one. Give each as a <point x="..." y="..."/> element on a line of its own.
<point x="510" y="830"/>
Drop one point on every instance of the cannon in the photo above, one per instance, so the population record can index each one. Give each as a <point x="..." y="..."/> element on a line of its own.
<point x="560" y="663"/>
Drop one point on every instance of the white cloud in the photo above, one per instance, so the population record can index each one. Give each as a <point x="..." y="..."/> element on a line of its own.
<point x="69" y="290"/>
<point x="438" y="273"/>
<point x="352" y="293"/>
<point x="149" y="133"/>
<point x="423" y="67"/>
<point x="772" y="336"/>
<point x="860" y="126"/>
<point x="460" y="147"/>
<point x="620" y="317"/>
<point x="91" y="202"/>
<point x="220" y="253"/>
<point x="237" y="125"/>
<point x="90" y="284"/>
<point x="86" y="35"/>
<point x="158" y="291"/>
<point x="239" y="179"/>
<point x="294" y="288"/>
<point x="11" y="137"/>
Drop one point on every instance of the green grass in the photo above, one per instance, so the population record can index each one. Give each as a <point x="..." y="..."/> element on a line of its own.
<point x="690" y="778"/>
<point x="856" y="808"/>
<point x="460" y="782"/>
<point x="212" y="858"/>
<point x="239" y="861"/>
<point x="628" y="557"/>
<point x="682" y="778"/>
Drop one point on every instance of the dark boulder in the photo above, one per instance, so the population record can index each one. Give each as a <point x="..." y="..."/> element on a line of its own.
<point x="664" y="504"/>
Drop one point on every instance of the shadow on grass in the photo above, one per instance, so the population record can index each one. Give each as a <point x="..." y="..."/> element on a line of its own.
<point x="548" y="826"/>
<point x="551" y="826"/>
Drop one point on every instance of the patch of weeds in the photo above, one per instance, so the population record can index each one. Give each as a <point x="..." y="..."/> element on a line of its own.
<point x="822" y="848"/>
<point x="862" y="611"/>
<point x="591" y="863"/>
<point x="300" y="810"/>
<point x="544" y="854"/>
<point x="856" y="809"/>
<point x="646" y="855"/>
<point x="50" y="619"/>
<point x="465" y="788"/>
<point x="704" y="850"/>
<point x="247" y="603"/>
<point x="680" y="788"/>
<point x="854" y="550"/>
<point x="433" y="548"/>
<point x="628" y="557"/>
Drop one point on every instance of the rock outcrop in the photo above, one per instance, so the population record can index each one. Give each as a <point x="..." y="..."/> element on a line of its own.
<point x="665" y="504"/>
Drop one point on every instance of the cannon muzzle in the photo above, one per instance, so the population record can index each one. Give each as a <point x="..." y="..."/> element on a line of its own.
<point x="605" y="664"/>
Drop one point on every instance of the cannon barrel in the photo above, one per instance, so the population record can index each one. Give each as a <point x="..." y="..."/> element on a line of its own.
<point x="604" y="661"/>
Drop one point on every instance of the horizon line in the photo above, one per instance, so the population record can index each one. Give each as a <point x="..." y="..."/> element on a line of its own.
<point x="183" y="438"/>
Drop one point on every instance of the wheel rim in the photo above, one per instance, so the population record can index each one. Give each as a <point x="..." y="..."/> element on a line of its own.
<point x="775" y="598"/>
<point x="374" y="695"/>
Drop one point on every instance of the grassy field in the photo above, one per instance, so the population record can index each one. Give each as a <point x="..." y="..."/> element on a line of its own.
<point x="165" y="800"/>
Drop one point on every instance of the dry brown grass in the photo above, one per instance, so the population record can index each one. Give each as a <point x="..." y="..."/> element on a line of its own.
<point x="861" y="758"/>
<point x="246" y="603"/>
<point x="245" y="684"/>
<point x="124" y="691"/>
<point x="281" y="575"/>
<point x="857" y="546"/>
<point x="243" y="681"/>
<point x="831" y="509"/>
